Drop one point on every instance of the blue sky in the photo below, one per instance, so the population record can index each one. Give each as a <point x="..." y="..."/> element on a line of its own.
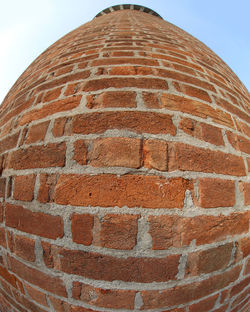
<point x="28" y="27"/>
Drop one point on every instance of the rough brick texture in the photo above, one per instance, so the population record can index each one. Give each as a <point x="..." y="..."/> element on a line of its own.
<point x="124" y="163"/>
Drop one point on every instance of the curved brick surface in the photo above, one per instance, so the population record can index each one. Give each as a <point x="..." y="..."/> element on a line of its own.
<point x="124" y="155"/>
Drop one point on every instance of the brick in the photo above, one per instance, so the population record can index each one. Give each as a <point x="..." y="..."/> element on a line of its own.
<point x="141" y="83"/>
<point x="129" y="190"/>
<point x="2" y="237"/>
<point x="247" y="267"/>
<point x="209" y="260"/>
<point x="222" y="309"/>
<point x="60" y="305"/>
<point x="193" y="92"/>
<point x="50" y="155"/>
<point x="47" y="186"/>
<point x="37" y="223"/>
<point x="38" y="278"/>
<point x="216" y="193"/>
<point x="244" y="246"/>
<point x="9" y="300"/>
<point x="118" y="231"/>
<point x="51" y="109"/>
<point x="157" y="299"/>
<point x="64" y="70"/>
<point x="131" y="70"/>
<point x="108" y="268"/>
<point x="151" y="100"/>
<point x="205" y="305"/>
<point x="139" y="122"/>
<point x="202" y="131"/>
<point x="9" y="278"/>
<point x="191" y="158"/>
<point x="246" y="192"/>
<point x="37" y="133"/>
<point x="52" y="95"/>
<point x="130" y="60"/>
<point x="236" y="289"/>
<point x="241" y="300"/>
<point x="22" y="246"/>
<point x="2" y="187"/>
<point x="9" y="142"/>
<point x="208" y="229"/>
<point x="106" y="298"/>
<point x="155" y="154"/>
<point x="115" y="152"/>
<point x="239" y="142"/>
<point x="73" y="88"/>
<point x="195" y="108"/>
<point x="81" y="228"/>
<point x="1" y="212"/>
<point x="36" y="295"/>
<point x="112" y="99"/>
<point x="80" y="152"/>
<point x="24" y="187"/>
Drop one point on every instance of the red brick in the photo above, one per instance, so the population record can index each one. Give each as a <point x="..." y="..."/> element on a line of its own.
<point x="241" y="300"/>
<point x="24" y="187"/>
<point x="59" y="127"/>
<point x="222" y="309"/>
<point x="2" y="237"/>
<point x="191" y="158"/>
<point x="156" y="299"/>
<point x="37" y="133"/>
<point x="238" y="142"/>
<point x="36" y="295"/>
<point x="52" y="95"/>
<point x="244" y="245"/>
<point x="209" y="260"/>
<point x="50" y="109"/>
<point x="29" y="305"/>
<point x="118" y="231"/>
<point x="129" y="190"/>
<point x="22" y="246"/>
<point x="208" y="229"/>
<point x="80" y="152"/>
<point x="205" y="305"/>
<point x="64" y="70"/>
<point x="193" y="92"/>
<point x="112" y="99"/>
<point x="9" y="142"/>
<point x="81" y="228"/>
<point x="37" y="223"/>
<point x="195" y="108"/>
<point x="50" y="155"/>
<point x="130" y="60"/>
<point x="47" y="186"/>
<point x="106" y="298"/>
<point x="8" y="277"/>
<point x="151" y="100"/>
<point x="73" y="88"/>
<point x="246" y="191"/>
<point x="236" y="289"/>
<point x="105" y="267"/>
<point x="38" y="278"/>
<point x="216" y="193"/>
<point x="141" y="83"/>
<point x="247" y="267"/>
<point x="1" y="212"/>
<point x="131" y="70"/>
<point x="2" y="187"/>
<point x="202" y="131"/>
<point x="115" y="152"/>
<point x="60" y="305"/>
<point x="155" y="154"/>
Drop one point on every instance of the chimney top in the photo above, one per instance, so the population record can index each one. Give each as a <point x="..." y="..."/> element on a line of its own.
<point x="128" y="7"/>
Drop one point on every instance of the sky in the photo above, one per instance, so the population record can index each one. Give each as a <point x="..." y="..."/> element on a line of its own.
<point x="28" y="27"/>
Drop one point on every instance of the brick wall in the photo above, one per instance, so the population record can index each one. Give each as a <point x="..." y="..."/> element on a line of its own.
<point x="124" y="161"/>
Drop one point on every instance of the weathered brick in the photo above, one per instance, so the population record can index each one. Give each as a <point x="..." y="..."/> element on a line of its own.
<point x="22" y="246"/>
<point x="205" y="305"/>
<point x="112" y="99"/>
<point x="81" y="228"/>
<point x="130" y="60"/>
<point x="24" y="187"/>
<point x="117" y="231"/>
<point x="80" y="152"/>
<point x="236" y="289"/>
<point x="2" y="187"/>
<point x="246" y="192"/>
<point x="52" y="95"/>
<point x="37" y="133"/>
<point x="50" y="155"/>
<point x="38" y="278"/>
<point x="128" y="190"/>
<point x="154" y="299"/>
<point x="193" y="92"/>
<point x="107" y="298"/>
<point x="216" y="193"/>
<point x="155" y="154"/>
<point x="50" y="109"/>
<point x="202" y="131"/>
<point x="2" y="237"/>
<point x="47" y="186"/>
<point x="9" y="142"/>
<point x="191" y="158"/>
<point x="105" y="267"/>
<point x="37" y="223"/>
<point x="113" y="152"/>
<point x="36" y="295"/>
<point x="140" y="122"/>
<point x="239" y="142"/>
<point x="209" y="260"/>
